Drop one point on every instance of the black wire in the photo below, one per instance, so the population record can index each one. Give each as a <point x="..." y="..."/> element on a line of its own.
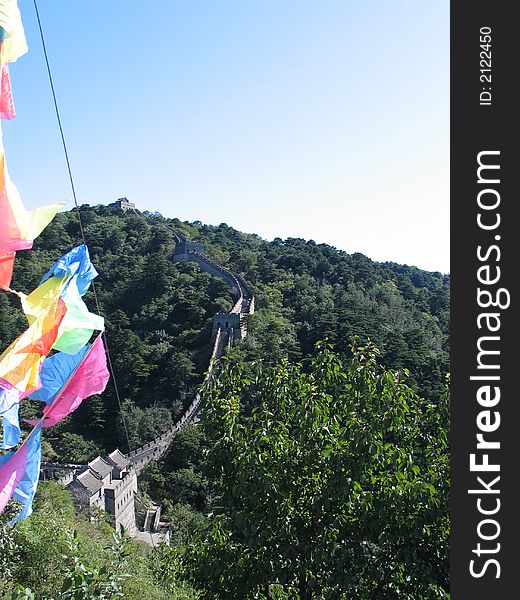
<point x="59" y="119"/>
<point x="71" y="178"/>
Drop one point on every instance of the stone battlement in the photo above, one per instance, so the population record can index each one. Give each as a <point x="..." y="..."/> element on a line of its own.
<point x="110" y="483"/>
<point x="124" y="205"/>
<point x="107" y="483"/>
<point x="182" y="248"/>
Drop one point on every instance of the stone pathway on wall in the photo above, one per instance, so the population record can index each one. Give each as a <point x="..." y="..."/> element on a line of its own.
<point x="119" y="496"/>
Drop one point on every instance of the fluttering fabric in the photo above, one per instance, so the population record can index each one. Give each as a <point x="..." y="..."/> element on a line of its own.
<point x="9" y="403"/>
<point x="11" y="432"/>
<point x="18" y="226"/>
<point x="19" y="472"/>
<point x="37" y="302"/>
<point x="12" y="468"/>
<point x="74" y="263"/>
<point x="12" y="35"/>
<point x="56" y="370"/>
<point x="89" y="377"/>
<point x="7" y="110"/>
<point x="67" y="328"/>
<point x="66" y="380"/>
<point x="57" y="316"/>
<point x="78" y="325"/>
<point x="6" y="269"/>
<point x="9" y="395"/>
<point x="21" y="362"/>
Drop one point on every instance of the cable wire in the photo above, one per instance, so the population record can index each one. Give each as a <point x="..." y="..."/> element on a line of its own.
<point x="73" y="188"/>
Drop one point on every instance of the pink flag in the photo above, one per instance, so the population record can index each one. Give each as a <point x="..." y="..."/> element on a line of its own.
<point x="11" y="473"/>
<point x="6" y="94"/>
<point x="19" y="472"/>
<point x="18" y="226"/>
<point x="6" y="269"/>
<point x="89" y="378"/>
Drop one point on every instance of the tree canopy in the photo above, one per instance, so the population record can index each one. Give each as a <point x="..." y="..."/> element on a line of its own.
<point x="335" y="484"/>
<point x="324" y="474"/>
<point x="158" y="312"/>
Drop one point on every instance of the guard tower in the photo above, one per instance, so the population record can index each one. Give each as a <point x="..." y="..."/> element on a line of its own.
<point x="182" y="249"/>
<point x="124" y="205"/>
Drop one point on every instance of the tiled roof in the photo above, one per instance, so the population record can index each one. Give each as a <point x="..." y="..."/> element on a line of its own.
<point x="100" y="467"/>
<point x="89" y="481"/>
<point x="118" y="459"/>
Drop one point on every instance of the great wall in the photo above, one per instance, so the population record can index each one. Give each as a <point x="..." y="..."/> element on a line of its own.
<point x="111" y="483"/>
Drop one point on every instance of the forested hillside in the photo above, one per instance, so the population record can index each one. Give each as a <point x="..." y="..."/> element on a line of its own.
<point x="158" y="314"/>
<point x="313" y="473"/>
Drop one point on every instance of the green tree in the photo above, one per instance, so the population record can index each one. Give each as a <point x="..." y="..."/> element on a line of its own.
<point x="158" y="312"/>
<point x="83" y="583"/>
<point x="9" y="550"/>
<point x="74" y="448"/>
<point x="56" y="554"/>
<point x="335" y="485"/>
<point x="143" y="424"/>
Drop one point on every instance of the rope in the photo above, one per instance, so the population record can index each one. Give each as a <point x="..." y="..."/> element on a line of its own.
<point x="73" y="187"/>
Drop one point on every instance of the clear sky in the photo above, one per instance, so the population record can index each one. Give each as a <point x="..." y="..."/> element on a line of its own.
<point x="322" y="119"/>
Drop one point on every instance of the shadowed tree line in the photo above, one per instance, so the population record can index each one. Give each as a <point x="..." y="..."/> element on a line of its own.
<point x="158" y="313"/>
<point x="315" y="473"/>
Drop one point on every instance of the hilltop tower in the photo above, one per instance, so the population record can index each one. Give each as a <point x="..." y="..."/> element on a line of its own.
<point x="126" y="206"/>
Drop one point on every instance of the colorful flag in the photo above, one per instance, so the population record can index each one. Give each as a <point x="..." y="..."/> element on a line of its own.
<point x="18" y="227"/>
<point x="79" y="324"/>
<point x="58" y="318"/>
<point x="12" y="35"/>
<point x="56" y="370"/>
<point x="19" y="472"/>
<point x="76" y="272"/>
<point x="12" y="468"/>
<point x="67" y="329"/>
<point x="21" y="362"/>
<point x="6" y="269"/>
<point x="74" y="263"/>
<point x="9" y="401"/>
<point x="89" y="378"/>
<point x="11" y="432"/>
<point x="7" y="110"/>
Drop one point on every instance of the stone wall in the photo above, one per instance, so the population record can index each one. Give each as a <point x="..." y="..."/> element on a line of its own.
<point x="226" y="327"/>
<point x="228" y="323"/>
<point x="120" y="500"/>
<point x="117" y="495"/>
<point x="182" y="247"/>
<point x="140" y="457"/>
<point x="211" y="267"/>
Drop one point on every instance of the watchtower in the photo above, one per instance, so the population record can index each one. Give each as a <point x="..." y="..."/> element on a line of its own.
<point x="228" y="323"/>
<point x="124" y="205"/>
<point x="183" y="248"/>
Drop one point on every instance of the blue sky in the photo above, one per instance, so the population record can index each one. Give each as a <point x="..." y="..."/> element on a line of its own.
<point x="323" y="119"/>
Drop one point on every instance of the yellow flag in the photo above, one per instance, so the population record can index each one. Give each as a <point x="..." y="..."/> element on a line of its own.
<point x="21" y="362"/>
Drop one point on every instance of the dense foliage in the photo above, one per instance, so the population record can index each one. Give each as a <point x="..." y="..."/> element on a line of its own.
<point x="335" y="484"/>
<point x="57" y="554"/>
<point x="158" y="314"/>
<point x="323" y="475"/>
